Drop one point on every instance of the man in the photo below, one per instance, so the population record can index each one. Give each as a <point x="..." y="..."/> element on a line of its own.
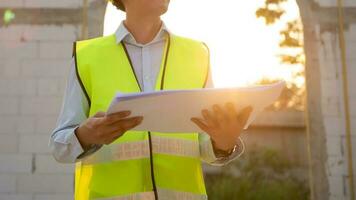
<point x="114" y="162"/>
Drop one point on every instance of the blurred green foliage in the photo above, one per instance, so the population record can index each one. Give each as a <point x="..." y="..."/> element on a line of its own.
<point x="8" y="16"/>
<point x="271" y="11"/>
<point x="261" y="174"/>
<point x="292" y="54"/>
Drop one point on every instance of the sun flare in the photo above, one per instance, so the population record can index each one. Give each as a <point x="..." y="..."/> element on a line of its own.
<point x="243" y="49"/>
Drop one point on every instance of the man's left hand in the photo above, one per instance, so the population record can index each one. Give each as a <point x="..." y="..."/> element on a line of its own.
<point x="223" y="124"/>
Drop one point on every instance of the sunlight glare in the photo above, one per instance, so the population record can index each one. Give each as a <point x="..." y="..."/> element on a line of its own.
<point x="243" y="49"/>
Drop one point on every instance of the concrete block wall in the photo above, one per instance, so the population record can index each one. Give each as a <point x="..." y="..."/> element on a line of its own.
<point x="333" y="109"/>
<point x="34" y="65"/>
<point x="333" y="3"/>
<point x="332" y="100"/>
<point x="41" y="3"/>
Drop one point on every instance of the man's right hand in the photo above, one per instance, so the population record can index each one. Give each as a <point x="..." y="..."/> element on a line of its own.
<point x="104" y="129"/>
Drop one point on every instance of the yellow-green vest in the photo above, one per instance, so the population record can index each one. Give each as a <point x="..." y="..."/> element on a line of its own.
<point x="140" y="164"/>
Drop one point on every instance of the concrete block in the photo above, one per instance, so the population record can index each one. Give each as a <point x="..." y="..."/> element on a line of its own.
<point x="351" y="72"/>
<point x="52" y="3"/>
<point x="66" y="33"/>
<point x="11" y="3"/>
<point x="328" y="46"/>
<point x="40" y="105"/>
<point x="350" y="35"/>
<point x="48" y="87"/>
<point x="34" y="143"/>
<point x="13" y="33"/>
<point x="48" y="68"/>
<point x="26" y="125"/>
<point x="18" y="50"/>
<point x="330" y="71"/>
<point x="352" y="106"/>
<point x="7" y="183"/>
<point x="331" y="106"/>
<point x="350" y="3"/>
<point x="9" y="105"/>
<point x="8" y="124"/>
<point x="15" y="197"/>
<point x="334" y="146"/>
<point x="45" y="125"/>
<point x="334" y="126"/>
<point x="336" y="166"/>
<point x="47" y="164"/>
<point x="352" y="81"/>
<point x="8" y="143"/>
<point x="56" y="50"/>
<point x="345" y="147"/>
<point x="331" y="88"/>
<point x="353" y="126"/>
<point x="337" y="197"/>
<point x="10" y="68"/>
<point x="337" y="186"/>
<point x="63" y="85"/>
<point x="45" y="183"/>
<point x="350" y="50"/>
<point x="53" y="197"/>
<point x="15" y="163"/>
<point x="17" y="87"/>
<point x="333" y="3"/>
<point x="326" y="3"/>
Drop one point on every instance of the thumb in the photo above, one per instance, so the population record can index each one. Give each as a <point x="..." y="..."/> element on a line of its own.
<point x="244" y="115"/>
<point x="100" y="114"/>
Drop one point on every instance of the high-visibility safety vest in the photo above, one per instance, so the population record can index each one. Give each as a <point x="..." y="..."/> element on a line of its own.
<point x="140" y="164"/>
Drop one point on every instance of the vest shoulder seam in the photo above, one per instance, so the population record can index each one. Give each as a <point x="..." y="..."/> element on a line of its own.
<point x="78" y="75"/>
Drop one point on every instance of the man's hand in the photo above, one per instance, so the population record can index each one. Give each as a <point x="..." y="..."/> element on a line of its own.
<point x="223" y="124"/>
<point x="104" y="129"/>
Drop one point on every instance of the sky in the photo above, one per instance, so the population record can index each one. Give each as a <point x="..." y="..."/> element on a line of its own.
<point x="243" y="49"/>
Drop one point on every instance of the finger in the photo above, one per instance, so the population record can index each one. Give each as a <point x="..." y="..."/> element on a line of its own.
<point x="99" y="114"/>
<point x="115" y="135"/>
<point x="114" y="117"/>
<point x="219" y="115"/>
<point x="99" y="117"/>
<point x="210" y="120"/>
<point x="231" y="111"/>
<point x="200" y="124"/>
<point x="123" y="129"/>
<point x="123" y="124"/>
<point x="109" y="141"/>
<point x="131" y="124"/>
<point x="244" y="115"/>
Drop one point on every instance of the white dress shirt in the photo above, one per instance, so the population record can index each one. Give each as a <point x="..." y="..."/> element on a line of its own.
<point x="146" y="59"/>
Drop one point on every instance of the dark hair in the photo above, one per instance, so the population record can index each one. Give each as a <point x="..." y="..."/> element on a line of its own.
<point x="118" y="4"/>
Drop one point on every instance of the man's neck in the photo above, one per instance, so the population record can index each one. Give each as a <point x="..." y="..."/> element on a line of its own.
<point x="143" y="29"/>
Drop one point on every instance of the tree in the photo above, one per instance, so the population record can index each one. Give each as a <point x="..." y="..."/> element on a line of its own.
<point x="291" y="45"/>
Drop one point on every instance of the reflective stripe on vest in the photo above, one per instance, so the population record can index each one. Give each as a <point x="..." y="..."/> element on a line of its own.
<point x="163" y="194"/>
<point x="122" y="170"/>
<point x="140" y="149"/>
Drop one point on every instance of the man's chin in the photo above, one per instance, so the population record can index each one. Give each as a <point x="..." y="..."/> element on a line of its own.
<point x="159" y="11"/>
<point x="164" y="10"/>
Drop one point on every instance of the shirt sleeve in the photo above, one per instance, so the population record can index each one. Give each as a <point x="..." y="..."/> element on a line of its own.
<point x="206" y="147"/>
<point x="64" y="144"/>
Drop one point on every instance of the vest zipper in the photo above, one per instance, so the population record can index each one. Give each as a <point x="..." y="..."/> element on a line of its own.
<point x="162" y="86"/>
<point x="151" y="166"/>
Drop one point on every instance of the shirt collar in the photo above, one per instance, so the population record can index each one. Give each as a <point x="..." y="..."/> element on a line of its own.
<point x="122" y="34"/>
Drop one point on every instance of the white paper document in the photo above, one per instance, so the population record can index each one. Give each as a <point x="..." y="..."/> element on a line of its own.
<point x="171" y="110"/>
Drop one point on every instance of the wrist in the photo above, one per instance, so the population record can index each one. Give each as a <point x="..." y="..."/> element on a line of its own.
<point x="82" y="138"/>
<point x="222" y="146"/>
<point x="223" y="151"/>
